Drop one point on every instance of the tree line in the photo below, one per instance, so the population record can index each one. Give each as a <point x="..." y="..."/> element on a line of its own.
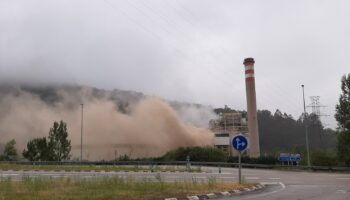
<point x="55" y="147"/>
<point x="280" y="132"/>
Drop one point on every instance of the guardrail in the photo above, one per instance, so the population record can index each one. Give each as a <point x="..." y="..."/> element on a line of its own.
<point x="184" y="163"/>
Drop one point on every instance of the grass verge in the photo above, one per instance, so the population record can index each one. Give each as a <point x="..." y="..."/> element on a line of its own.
<point x="112" y="188"/>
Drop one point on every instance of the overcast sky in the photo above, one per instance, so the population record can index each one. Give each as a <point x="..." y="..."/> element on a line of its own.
<point x="186" y="50"/>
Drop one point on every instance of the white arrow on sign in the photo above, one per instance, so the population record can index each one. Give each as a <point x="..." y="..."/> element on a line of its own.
<point x="242" y="144"/>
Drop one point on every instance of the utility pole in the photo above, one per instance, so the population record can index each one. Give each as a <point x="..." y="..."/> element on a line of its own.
<point x="306" y="131"/>
<point x="81" y="133"/>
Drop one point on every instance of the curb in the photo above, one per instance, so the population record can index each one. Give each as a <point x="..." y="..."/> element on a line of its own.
<point x="222" y="194"/>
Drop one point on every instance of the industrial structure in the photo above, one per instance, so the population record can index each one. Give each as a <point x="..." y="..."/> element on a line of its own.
<point x="231" y="122"/>
<point x="254" y="146"/>
<point x="226" y="126"/>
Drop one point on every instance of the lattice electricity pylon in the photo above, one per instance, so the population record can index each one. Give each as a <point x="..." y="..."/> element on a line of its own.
<point x="316" y="106"/>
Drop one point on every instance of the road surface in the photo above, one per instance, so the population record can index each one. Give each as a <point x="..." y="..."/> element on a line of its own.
<point x="281" y="184"/>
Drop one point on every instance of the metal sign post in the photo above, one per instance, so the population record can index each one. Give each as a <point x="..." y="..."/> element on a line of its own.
<point x="240" y="143"/>
<point x="239" y="167"/>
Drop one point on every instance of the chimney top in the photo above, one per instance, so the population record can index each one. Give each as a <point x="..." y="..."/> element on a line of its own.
<point x="248" y="61"/>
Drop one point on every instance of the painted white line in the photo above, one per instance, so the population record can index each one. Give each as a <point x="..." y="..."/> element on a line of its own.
<point x="252" y="178"/>
<point x="341" y="191"/>
<point x="309" y="186"/>
<point x="9" y="174"/>
<point x="48" y="174"/>
<point x="339" y="175"/>
<point x="200" y="177"/>
<point x="343" y="178"/>
<point x="267" y="193"/>
<point x="274" y="178"/>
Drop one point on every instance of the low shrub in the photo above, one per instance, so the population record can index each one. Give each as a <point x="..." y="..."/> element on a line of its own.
<point x="200" y="154"/>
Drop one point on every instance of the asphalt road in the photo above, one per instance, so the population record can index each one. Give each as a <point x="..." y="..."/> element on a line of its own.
<point x="298" y="185"/>
<point x="281" y="184"/>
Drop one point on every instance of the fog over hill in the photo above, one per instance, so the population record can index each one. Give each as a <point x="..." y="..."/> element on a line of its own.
<point x="116" y="121"/>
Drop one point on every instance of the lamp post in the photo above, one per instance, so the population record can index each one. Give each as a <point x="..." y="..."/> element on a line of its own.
<point x="81" y="133"/>
<point x="306" y="132"/>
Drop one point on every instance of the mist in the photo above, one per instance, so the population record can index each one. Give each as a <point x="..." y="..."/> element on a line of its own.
<point x="151" y="128"/>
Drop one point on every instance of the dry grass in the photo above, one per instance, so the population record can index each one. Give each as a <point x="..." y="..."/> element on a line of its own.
<point x="106" y="189"/>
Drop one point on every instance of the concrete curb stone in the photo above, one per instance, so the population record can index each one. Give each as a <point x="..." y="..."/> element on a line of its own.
<point x="221" y="194"/>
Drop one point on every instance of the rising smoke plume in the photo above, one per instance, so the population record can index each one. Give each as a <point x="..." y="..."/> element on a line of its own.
<point x="151" y="128"/>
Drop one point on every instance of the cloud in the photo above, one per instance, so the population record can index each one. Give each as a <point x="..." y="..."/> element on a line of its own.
<point x="182" y="50"/>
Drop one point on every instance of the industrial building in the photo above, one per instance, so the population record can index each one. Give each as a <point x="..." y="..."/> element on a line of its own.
<point x="230" y="122"/>
<point x="226" y="126"/>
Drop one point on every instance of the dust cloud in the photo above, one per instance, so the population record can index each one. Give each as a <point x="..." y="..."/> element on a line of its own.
<point x="151" y="128"/>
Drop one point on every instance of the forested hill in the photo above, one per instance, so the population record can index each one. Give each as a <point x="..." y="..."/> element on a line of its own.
<point x="279" y="132"/>
<point x="52" y="94"/>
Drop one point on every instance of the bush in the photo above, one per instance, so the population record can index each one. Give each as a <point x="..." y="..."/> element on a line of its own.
<point x="264" y="160"/>
<point x="200" y="154"/>
<point x="323" y="158"/>
<point x="343" y="147"/>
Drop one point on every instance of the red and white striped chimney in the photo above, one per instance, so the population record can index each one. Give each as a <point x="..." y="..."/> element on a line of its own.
<point x="254" y="146"/>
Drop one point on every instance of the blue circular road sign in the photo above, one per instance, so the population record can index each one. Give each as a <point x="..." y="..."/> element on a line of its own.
<point x="240" y="143"/>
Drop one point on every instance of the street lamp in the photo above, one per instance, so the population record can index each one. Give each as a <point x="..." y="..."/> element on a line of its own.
<point x="306" y="132"/>
<point x="81" y="133"/>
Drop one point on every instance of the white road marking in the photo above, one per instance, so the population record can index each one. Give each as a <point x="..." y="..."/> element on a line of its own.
<point x="341" y="191"/>
<point x="9" y="174"/>
<point x="339" y="175"/>
<point x="227" y="177"/>
<point x="343" y="178"/>
<point x="252" y="178"/>
<point x="274" y="178"/>
<point x="267" y="193"/>
<point x="49" y="174"/>
<point x="309" y="186"/>
<point x="199" y="177"/>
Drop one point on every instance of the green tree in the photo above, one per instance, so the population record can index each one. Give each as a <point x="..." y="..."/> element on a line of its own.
<point x="323" y="158"/>
<point x="37" y="150"/>
<point x="59" y="145"/>
<point x="10" y="151"/>
<point x="342" y="115"/>
<point x="343" y="147"/>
